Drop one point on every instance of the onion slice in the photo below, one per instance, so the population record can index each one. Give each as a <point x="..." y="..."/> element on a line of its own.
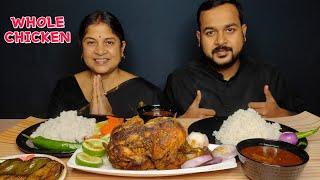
<point x="215" y="160"/>
<point x="225" y="151"/>
<point x="198" y="161"/>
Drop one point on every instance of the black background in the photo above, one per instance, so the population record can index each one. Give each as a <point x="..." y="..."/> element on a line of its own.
<point x="160" y="37"/>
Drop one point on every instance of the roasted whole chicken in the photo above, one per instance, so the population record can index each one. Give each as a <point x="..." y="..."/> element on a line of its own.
<point x="158" y="144"/>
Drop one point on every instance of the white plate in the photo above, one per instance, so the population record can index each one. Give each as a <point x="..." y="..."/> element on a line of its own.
<point x="107" y="168"/>
<point x="27" y="156"/>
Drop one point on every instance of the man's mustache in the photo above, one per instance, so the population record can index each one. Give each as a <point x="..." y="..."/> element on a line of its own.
<point x="221" y="48"/>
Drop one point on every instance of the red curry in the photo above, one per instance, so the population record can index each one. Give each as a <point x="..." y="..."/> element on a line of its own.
<point x="271" y="155"/>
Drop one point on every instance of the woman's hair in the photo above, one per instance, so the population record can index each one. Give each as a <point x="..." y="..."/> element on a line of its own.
<point x="104" y="17"/>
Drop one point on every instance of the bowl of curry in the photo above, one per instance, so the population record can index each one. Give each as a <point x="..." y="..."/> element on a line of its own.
<point x="270" y="159"/>
<point x="153" y="111"/>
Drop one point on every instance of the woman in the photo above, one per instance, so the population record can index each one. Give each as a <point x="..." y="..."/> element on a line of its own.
<point x="104" y="88"/>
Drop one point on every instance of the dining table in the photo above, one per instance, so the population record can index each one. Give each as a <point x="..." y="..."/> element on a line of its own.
<point x="10" y="128"/>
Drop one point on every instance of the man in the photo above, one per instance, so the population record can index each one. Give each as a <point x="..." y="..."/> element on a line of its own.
<point x="223" y="81"/>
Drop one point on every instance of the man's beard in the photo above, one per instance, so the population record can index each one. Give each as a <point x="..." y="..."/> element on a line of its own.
<point x="222" y="66"/>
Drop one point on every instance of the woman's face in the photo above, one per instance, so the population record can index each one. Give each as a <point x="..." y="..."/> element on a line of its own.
<point x="102" y="49"/>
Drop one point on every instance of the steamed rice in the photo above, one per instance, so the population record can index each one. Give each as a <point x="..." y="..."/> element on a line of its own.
<point x="66" y="127"/>
<point x="246" y="124"/>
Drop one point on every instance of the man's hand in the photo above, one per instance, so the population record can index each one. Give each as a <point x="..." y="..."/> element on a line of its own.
<point x="195" y="112"/>
<point x="99" y="104"/>
<point x="269" y="108"/>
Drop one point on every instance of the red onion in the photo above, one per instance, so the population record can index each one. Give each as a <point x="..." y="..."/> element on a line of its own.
<point x="289" y="137"/>
<point x="215" y="160"/>
<point x="27" y="157"/>
<point x="198" y="161"/>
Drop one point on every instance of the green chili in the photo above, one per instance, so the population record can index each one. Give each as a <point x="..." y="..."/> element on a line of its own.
<point x="306" y="133"/>
<point x="53" y="145"/>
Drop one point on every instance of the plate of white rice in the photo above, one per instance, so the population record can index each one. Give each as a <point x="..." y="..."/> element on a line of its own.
<point x="246" y="124"/>
<point x="67" y="127"/>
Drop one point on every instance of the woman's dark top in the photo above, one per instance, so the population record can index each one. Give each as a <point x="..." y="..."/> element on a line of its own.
<point x="124" y="100"/>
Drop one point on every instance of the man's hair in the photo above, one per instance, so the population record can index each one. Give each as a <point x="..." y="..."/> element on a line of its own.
<point x="209" y="4"/>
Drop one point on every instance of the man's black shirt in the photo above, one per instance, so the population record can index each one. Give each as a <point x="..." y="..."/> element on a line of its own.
<point x="225" y="97"/>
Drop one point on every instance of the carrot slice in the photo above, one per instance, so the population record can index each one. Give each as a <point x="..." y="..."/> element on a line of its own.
<point x="111" y="124"/>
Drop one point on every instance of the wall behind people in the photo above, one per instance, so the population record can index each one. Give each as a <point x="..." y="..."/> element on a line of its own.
<point x="160" y="37"/>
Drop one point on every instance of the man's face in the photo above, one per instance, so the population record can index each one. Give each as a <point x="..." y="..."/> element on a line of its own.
<point x="221" y="35"/>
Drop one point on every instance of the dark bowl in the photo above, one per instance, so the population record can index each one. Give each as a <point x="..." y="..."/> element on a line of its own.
<point x="98" y="118"/>
<point x="258" y="170"/>
<point x="153" y="111"/>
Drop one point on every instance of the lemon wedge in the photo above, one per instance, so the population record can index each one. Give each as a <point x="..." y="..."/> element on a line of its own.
<point x="94" y="147"/>
<point x="84" y="159"/>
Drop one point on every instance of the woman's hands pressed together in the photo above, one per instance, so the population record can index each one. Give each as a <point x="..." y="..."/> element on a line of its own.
<point x="99" y="104"/>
